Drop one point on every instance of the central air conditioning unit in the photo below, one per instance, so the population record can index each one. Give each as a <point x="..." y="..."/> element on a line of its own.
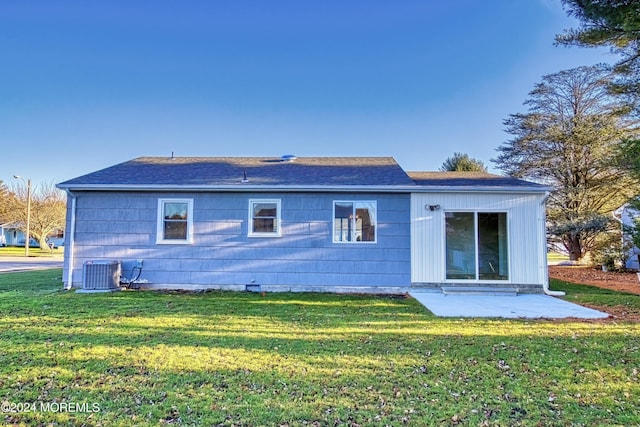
<point x="101" y="275"/>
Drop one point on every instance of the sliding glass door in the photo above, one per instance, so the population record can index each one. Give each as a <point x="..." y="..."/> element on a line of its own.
<point x="477" y="246"/>
<point x="461" y="245"/>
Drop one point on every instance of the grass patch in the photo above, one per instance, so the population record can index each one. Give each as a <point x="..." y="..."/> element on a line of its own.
<point x="14" y="251"/>
<point x="557" y="257"/>
<point x="593" y="295"/>
<point x="230" y="358"/>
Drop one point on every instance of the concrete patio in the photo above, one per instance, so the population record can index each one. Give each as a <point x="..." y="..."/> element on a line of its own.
<point x="527" y="306"/>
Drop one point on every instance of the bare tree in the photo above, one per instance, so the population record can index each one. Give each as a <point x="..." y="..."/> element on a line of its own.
<point x="5" y="202"/>
<point x="47" y="214"/>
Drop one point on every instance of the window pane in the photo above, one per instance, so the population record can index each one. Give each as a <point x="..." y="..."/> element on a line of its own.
<point x="342" y="224"/>
<point x="365" y="222"/>
<point x="341" y="230"/>
<point x="493" y="260"/>
<point x="265" y="210"/>
<point x="343" y="210"/>
<point x="175" y="230"/>
<point x="264" y="225"/>
<point x="354" y="221"/>
<point x="175" y="211"/>
<point x="460" y="245"/>
<point x="175" y="222"/>
<point x="264" y="217"/>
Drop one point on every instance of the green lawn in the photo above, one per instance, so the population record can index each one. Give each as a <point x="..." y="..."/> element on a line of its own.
<point x="33" y="252"/>
<point x="556" y="257"/>
<point x="244" y="359"/>
<point x="592" y="295"/>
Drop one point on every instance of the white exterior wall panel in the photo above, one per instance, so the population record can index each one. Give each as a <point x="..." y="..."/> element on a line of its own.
<point x="526" y="229"/>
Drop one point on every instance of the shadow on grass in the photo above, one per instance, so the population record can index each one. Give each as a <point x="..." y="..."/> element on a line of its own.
<point x="227" y="358"/>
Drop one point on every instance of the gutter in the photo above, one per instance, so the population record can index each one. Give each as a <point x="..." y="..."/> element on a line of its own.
<point x="266" y="188"/>
<point x="70" y="248"/>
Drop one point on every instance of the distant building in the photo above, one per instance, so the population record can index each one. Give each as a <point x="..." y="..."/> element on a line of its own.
<point x="626" y="215"/>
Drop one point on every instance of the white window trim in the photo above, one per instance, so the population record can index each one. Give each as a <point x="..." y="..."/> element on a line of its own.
<point x="475" y="231"/>
<point x="353" y="242"/>
<point x="160" y="240"/>
<point x="278" y="232"/>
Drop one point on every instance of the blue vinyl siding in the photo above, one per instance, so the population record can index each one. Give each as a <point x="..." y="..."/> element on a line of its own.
<point x="122" y="226"/>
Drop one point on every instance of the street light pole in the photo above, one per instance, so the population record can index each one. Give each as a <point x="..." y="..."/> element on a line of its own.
<point x="27" y="238"/>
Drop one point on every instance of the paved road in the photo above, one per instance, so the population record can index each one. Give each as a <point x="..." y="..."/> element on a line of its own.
<point x="12" y="264"/>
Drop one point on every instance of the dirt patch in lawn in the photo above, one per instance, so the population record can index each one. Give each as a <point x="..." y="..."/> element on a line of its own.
<point x="621" y="282"/>
<point x="620" y="312"/>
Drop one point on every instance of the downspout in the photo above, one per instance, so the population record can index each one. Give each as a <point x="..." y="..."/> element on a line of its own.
<point x="543" y="247"/>
<point x="71" y="239"/>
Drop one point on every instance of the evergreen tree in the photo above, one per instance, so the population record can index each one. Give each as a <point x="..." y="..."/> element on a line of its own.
<point x="461" y="162"/>
<point x="567" y="140"/>
<point x="613" y="23"/>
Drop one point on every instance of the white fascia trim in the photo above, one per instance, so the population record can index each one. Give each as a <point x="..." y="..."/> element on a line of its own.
<point x="306" y="188"/>
<point x="238" y="188"/>
<point x="480" y="189"/>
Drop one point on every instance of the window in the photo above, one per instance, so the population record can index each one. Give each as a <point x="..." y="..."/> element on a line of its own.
<point x="175" y="221"/>
<point x="354" y="222"/>
<point x="476" y="246"/>
<point x="264" y="218"/>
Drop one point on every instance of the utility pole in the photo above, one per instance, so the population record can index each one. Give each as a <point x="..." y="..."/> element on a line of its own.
<point x="27" y="238"/>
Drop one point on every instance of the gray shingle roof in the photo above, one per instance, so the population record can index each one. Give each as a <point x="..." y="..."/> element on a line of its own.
<point x="273" y="172"/>
<point x="222" y="171"/>
<point x="468" y="179"/>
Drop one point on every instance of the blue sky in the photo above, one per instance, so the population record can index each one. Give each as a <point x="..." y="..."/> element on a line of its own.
<point x="88" y="84"/>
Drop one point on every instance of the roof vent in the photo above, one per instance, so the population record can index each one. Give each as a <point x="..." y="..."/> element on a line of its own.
<point x="288" y="158"/>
